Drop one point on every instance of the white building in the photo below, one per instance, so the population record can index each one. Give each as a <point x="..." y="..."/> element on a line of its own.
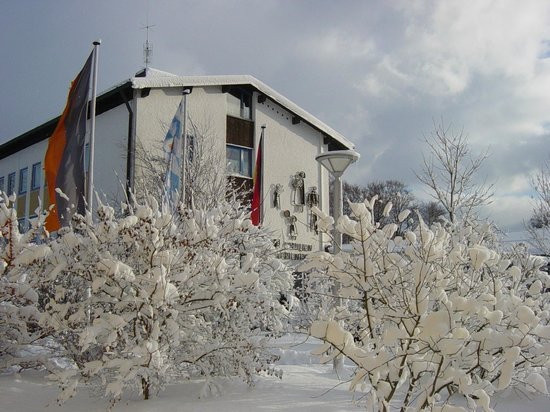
<point x="139" y="110"/>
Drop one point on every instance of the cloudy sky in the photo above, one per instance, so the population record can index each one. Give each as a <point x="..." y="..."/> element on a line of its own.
<point x="380" y="72"/>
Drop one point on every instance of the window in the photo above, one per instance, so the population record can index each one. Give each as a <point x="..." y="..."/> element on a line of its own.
<point x="22" y="223"/>
<point x="239" y="160"/>
<point x="239" y="104"/>
<point x="11" y="183"/>
<point x="2" y="184"/>
<point x="36" y="176"/>
<point x="239" y="132"/>
<point x="23" y="175"/>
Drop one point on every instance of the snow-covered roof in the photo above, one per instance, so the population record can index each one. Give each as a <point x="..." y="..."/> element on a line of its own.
<point x="159" y="79"/>
<point x="153" y="78"/>
<point x="150" y="72"/>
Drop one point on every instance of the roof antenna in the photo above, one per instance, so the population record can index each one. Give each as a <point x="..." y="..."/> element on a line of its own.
<point x="147" y="46"/>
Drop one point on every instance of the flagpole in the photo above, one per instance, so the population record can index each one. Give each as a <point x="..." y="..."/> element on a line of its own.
<point x="89" y="191"/>
<point x="261" y="206"/>
<point x="186" y="91"/>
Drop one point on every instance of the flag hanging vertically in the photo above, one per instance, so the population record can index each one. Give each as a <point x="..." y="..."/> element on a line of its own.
<point x="173" y="153"/>
<point x="255" y="214"/>
<point x="64" y="160"/>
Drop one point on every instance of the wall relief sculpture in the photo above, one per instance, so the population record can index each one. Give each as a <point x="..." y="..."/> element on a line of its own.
<point x="298" y="191"/>
<point x="277" y="190"/>
<point x="312" y="200"/>
<point x="292" y="224"/>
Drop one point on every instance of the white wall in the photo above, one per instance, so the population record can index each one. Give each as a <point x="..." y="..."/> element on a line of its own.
<point x="288" y="149"/>
<point x="111" y="138"/>
<point x="206" y="108"/>
<point x="110" y="157"/>
<point x="17" y="161"/>
<point x="24" y="158"/>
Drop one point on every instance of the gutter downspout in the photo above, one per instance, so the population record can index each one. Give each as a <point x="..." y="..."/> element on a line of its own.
<point x="131" y="149"/>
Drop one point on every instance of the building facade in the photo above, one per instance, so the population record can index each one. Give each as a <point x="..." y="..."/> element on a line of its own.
<point x="233" y="109"/>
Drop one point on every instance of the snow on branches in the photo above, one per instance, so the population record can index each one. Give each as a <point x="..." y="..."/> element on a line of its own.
<point x="19" y="315"/>
<point x="433" y="315"/>
<point x="153" y="296"/>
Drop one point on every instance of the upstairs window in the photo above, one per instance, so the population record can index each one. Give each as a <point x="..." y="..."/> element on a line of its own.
<point x="239" y="104"/>
<point x="239" y="160"/>
<point x="36" y="176"/>
<point x="23" y="180"/>
<point x="2" y="184"/>
<point x="11" y="183"/>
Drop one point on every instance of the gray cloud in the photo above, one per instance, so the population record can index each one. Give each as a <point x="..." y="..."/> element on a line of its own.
<point x="379" y="72"/>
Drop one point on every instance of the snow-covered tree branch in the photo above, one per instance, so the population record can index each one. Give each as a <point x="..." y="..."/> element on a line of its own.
<point x="19" y="315"/>
<point x="136" y="301"/>
<point x="433" y="315"/>
<point x="169" y="295"/>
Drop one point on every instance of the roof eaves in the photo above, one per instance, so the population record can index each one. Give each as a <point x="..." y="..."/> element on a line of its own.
<point x="230" y="80"/>
<point x="44" y="131"/>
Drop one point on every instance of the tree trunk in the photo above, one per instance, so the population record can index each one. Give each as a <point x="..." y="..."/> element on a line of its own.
<point x="145" y="388"/>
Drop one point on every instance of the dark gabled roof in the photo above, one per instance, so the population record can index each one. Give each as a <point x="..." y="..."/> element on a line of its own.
<point x="151" y="78"/>
<point x="106" y="101"/>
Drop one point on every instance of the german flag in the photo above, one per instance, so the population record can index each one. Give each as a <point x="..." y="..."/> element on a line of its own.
<point x="64" y="160"/>
<point x="255" y="215"/>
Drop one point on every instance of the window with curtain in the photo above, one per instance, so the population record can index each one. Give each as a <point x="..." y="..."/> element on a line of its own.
<point x="239" y="160"/>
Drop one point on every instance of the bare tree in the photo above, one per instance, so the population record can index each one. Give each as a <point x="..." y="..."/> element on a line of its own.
<point x="205" y="171"/>
<point x="351" y="193"/>
<point x="204" y="168"/>
<point x="450" y="171"/>
<point x="151" y="171"/>
<point x="393" y="191"/>
<point x="431" y="211"/>
<point x="539" y="224"/>
<point x="387" y="191"/>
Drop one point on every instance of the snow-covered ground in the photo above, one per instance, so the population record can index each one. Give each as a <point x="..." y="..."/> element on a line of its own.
<point x="305" y="386"/>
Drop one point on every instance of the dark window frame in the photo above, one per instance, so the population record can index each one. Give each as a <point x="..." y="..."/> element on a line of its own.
<point x="36" y="176"/>
<point x="10" y="189"/>
<point x="242" y="150"/>
<point x="239" y="132"/>
<point x="244" y="97"/>
<point x="22" y="190"/>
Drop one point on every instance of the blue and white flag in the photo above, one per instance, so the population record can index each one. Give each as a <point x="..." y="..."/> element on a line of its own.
<point x="173" y="147"/>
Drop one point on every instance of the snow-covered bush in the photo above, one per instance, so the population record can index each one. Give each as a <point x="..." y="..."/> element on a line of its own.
<point x="19" y="315"/>
<point x="151" y="296"/>
<point x="434" y="315"/>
